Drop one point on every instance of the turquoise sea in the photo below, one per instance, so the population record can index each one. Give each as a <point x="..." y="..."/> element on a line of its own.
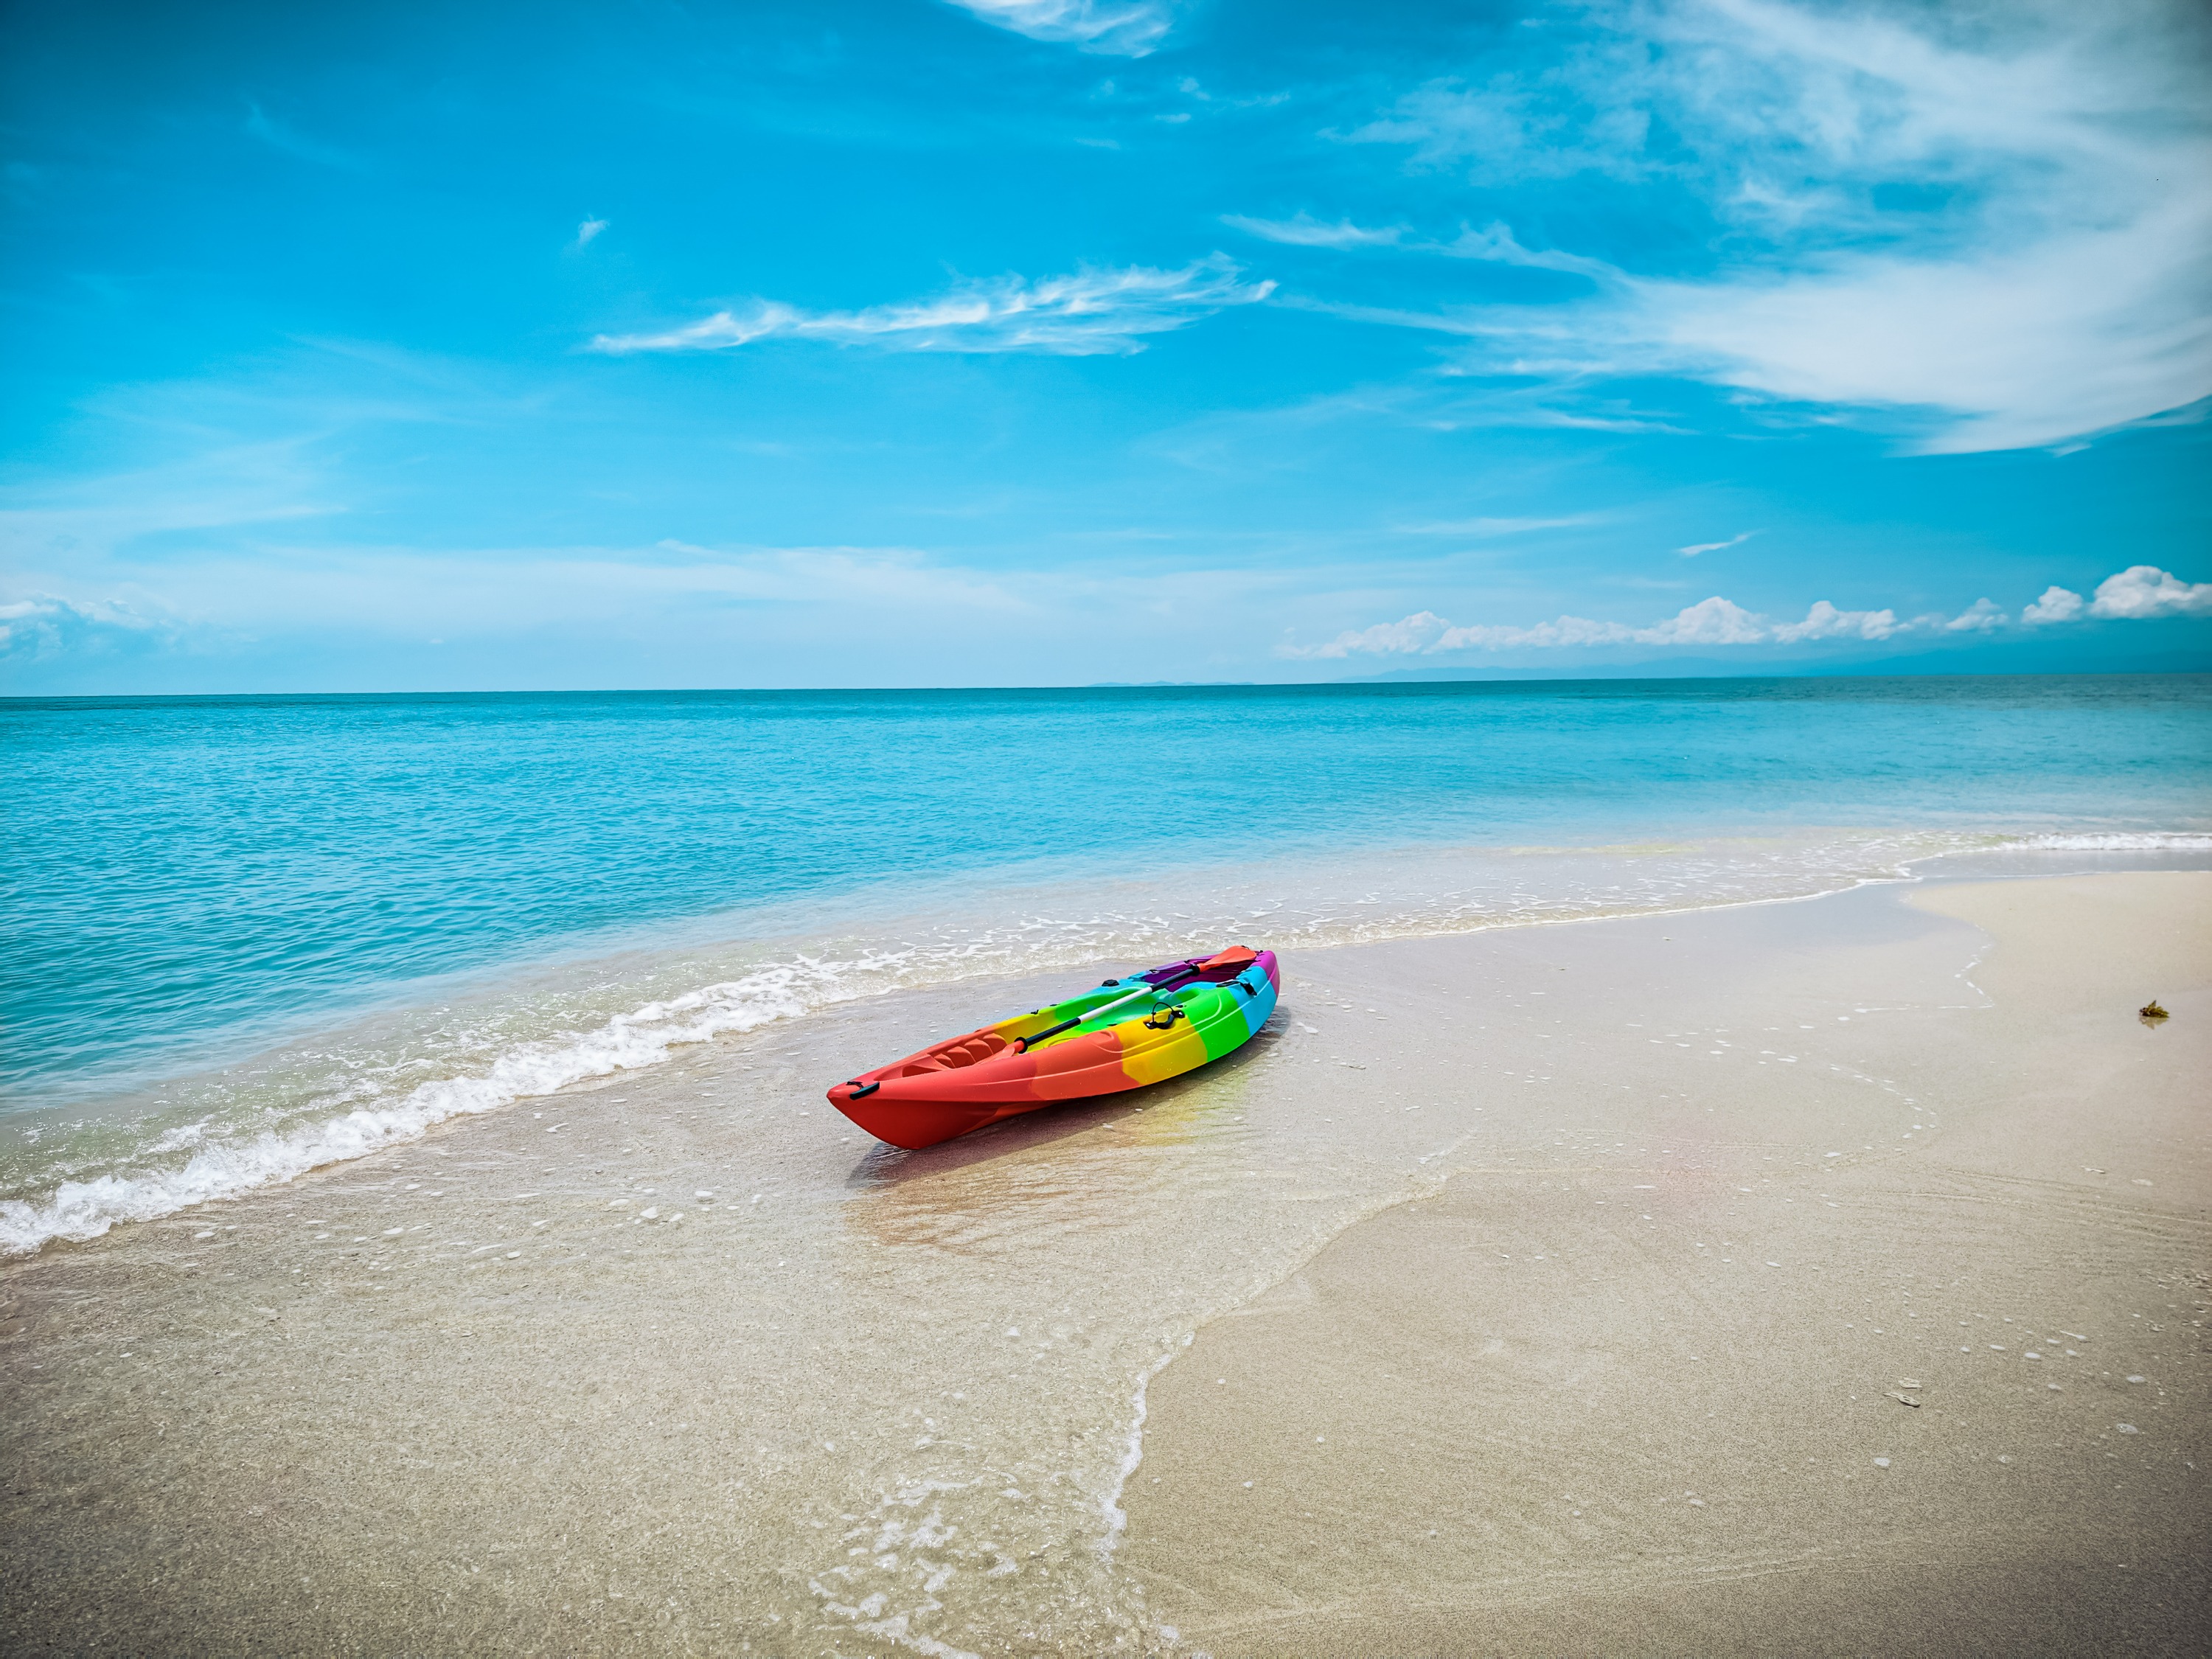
<point x="246" y="936"/>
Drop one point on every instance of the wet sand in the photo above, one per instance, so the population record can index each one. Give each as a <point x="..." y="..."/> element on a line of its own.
<point x="1658" y="1404"/>
<point x="1474" y="1237"/>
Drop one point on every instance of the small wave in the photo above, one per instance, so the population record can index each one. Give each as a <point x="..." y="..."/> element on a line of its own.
<point x="78" y="1211"/>
<point x="2176" y="841"/>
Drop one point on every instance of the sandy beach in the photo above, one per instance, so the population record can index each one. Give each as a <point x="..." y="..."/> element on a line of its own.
<point x="1816" y="1276"/>
<point x="1921" y="1370"/>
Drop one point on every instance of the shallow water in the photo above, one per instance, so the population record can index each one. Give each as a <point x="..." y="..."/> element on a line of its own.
<point x="253" y="935"/>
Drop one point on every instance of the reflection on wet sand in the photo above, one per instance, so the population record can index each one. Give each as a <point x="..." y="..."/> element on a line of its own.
<point x="1086" y="1165"/>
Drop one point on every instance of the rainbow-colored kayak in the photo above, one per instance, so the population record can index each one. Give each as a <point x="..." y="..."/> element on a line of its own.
<point x="1128" y="1032"/>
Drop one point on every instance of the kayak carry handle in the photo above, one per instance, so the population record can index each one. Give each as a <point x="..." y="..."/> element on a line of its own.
<point x="861" y="1090"/>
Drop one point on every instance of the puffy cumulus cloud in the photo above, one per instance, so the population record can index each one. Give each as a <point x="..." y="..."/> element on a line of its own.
<point x="1130" y="29"/>
<point x="2138" y="593"/>
<point x="2057" y="604"/>
<point x="1825" y="622"/>
<point x="2143" y="591"/>
<point x="1979" y="618"/>
<point x="1709" y="621"/>
<point x="1089" y="314"/>
<point x="2047" y="284"/>
<point x="1716" y="621"/>
<point x="1408" y="635"/>
<point x="1713" y="622"/>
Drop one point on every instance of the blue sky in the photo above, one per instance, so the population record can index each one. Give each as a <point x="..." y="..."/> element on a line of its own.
<point x="1039" y="341"/>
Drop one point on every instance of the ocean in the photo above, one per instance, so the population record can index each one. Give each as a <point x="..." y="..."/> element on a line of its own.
<point x="247" y="937"/>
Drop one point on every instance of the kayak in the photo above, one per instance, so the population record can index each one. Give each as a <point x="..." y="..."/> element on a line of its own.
<point x="1143" y="1029"/>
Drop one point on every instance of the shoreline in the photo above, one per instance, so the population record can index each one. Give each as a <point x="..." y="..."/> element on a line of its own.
<point x="260" y="1118"/>
<point x="706" y="1370"/>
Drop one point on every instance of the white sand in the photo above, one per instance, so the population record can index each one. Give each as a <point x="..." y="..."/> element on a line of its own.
<point x="1604" y="1403"/>
<point x="890" y="1403"/>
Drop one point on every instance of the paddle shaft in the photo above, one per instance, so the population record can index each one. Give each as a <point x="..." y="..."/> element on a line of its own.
<point x="1103" y="1007"/>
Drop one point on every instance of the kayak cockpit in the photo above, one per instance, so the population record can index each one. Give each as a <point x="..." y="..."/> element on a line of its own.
<point x="951" y="1056"/>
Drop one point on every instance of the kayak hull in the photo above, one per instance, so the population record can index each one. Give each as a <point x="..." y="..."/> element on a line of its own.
<point x="1141" y="1030"/>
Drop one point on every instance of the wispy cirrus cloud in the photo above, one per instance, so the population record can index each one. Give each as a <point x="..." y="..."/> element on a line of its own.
<point x="223" y="488"/>
<point x="1494" y="241"/>
<point x="2047" y="284"/>
<point x="1122" y="28"/>
<point x="1696" y="548"/>
<point x="281" y="135"/>
<point x="1488" y="527"/>
<point x="1088" y="313"/>
<point x="1302" y="230"/>
<point x="589" y="232"/>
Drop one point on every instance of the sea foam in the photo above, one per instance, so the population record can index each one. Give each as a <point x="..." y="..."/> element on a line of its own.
<point x="81" y="1210"/>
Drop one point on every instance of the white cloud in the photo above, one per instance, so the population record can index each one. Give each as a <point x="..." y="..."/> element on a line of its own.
<point x="667" y="613"/>
<point x="45" y="625"/>
<point x="589" y="230"/>
<point x="2051" y="287"/>
<point x="2057" y="604"/>
<point x="1718" y="622"/>
<point x="1696" y="548"/>
<point x="260" y="124"/>
<point x="1715" y="621"/>
<point x="2143" y="591"/>
<point x="1417" y="633"/>
<point x="1302" y="230"/>
<point x="1086" y="315"/>
<point x="1130" y="29"/>
<point x="1494" y="242"/>
<point x="1509" y="129"/>
<point x="1488" y="527"/>
<point x="1825" y="622"/>
<point x="224" y="489"/>
<point x="1979" y="618"/>
<point x="2138" y="593"/>
<point x="2082" y="330"/>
